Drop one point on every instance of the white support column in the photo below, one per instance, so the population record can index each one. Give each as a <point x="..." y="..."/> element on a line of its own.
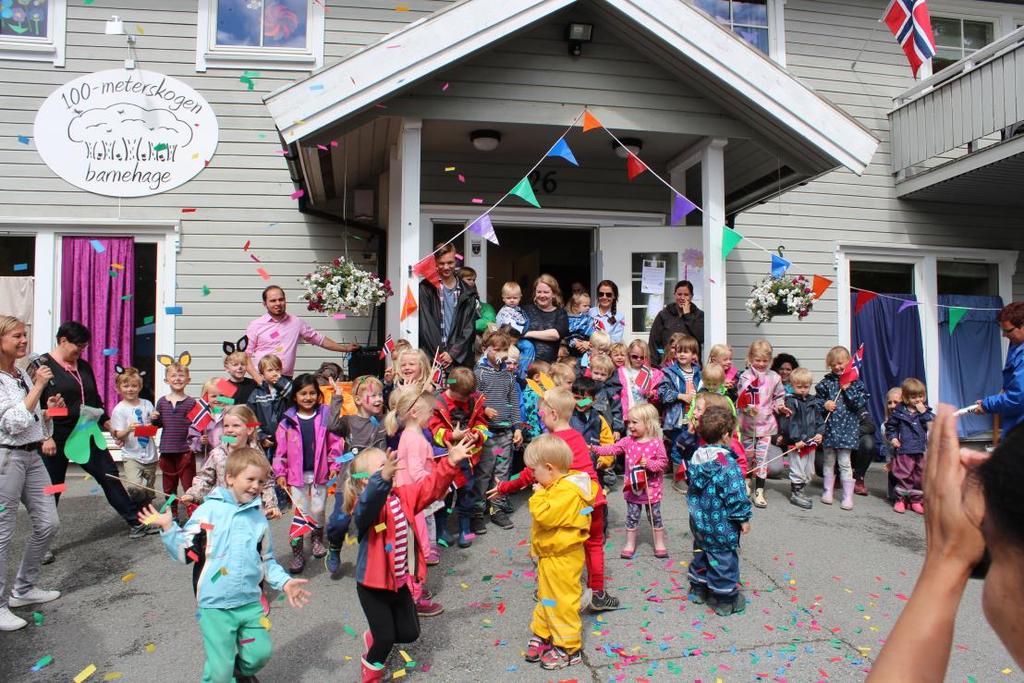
<point x="403" y="236"/>
<point x="712" y="167"/>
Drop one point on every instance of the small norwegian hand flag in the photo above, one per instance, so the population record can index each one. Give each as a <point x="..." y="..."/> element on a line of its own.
<point x="301" y="524"/>
<point x="643" y="379"/>
<point x="749" y="395"/>
<point x="852" y="372"/>
<point x="389" y="347"/>
<point x="912" y="27"/>
<point x="637" y="479"/>
<point x="200" y="413"/>
<point x="436" y="369"/>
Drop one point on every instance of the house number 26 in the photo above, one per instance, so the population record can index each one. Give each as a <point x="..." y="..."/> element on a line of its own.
<point x="547" y="183"/>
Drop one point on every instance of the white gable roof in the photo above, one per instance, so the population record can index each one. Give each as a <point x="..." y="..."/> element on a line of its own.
<point x="728" y="68"/>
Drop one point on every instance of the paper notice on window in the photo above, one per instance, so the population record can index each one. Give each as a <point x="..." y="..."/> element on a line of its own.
<point x="652" y="277"/>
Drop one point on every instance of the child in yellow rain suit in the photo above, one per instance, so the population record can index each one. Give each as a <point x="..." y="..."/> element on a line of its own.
<point x="561" y="505"/>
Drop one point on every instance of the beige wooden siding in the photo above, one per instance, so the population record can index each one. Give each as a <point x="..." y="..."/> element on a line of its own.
<point x="822" y="40"/>
<point x="243" y="195"/>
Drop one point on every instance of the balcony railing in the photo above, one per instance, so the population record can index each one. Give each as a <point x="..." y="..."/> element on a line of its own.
<point x="971" y="104"/>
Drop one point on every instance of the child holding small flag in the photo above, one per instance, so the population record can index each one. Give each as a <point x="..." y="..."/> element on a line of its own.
<point x="646" y="462"/>
<point x="803" y="430"/>
<point x="202" y="439"/>
<point x="391" y="553"/>
<point x="365" y="429"/>
<point x="635" y="382"/>
<point x="307" y="456"/>
<point x="678" y="387"/>
<point x="176" y="413"/>
<point x="236" y="633"/>
<point x="138" y="452"/>
<point x="561" y="507"/>
<point x="761" y="395"/>
<point x="845" y="396"/>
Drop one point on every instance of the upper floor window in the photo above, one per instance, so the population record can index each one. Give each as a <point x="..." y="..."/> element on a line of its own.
<point x="957" y="38"/>
<point x="33" y="30"/>
<point x="281" y="34"/>
<point x="758" y="22"/>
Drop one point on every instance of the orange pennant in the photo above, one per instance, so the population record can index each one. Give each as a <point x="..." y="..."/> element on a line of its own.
<point x="634" y="166"/>
<point x="819" y="284"/>
<point x="409" y="305"/>
<point x="590" y="122"/>
<point x="863" y="299"/>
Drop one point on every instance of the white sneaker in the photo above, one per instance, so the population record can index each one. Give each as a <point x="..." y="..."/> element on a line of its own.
<point x="35" y="596"/>
<point x="9" y="621"/>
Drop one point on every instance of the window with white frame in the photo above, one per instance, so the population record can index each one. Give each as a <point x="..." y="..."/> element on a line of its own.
<point x="33" y="30"/>
<point x="271" y="34"/>
<point x="957" y="37"/>
<point x="758" y="22"/>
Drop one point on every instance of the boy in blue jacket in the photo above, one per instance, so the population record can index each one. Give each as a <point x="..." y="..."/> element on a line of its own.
<point x="230" y="527"/>
<point x="719" y="513"/>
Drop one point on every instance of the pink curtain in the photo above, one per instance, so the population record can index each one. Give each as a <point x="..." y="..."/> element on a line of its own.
<point x="97" y="284"/>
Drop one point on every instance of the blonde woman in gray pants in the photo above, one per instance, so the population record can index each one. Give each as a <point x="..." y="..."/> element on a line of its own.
<point x="24" y="429"/>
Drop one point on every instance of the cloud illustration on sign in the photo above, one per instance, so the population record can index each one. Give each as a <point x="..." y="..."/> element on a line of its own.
<point x="130" y="121"/>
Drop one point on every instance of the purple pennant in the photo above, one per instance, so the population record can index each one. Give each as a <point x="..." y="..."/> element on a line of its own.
<point x="905" y="305"/>
<point x="482" y="226"/>
<point x="681" y="207"/>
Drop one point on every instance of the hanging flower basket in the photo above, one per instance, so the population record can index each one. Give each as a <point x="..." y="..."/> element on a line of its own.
<point x="343" y="286"/>
<point x="787" y="295"/>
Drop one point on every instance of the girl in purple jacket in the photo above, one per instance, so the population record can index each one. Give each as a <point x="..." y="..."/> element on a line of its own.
<point x="306" y="458"/>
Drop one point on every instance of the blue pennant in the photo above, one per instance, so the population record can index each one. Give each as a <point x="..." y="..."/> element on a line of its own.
<point x="779" y="266"/>
<point x="561" y="149"/>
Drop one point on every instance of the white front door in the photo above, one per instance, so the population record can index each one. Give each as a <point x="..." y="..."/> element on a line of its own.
<point x="624" y="253"/>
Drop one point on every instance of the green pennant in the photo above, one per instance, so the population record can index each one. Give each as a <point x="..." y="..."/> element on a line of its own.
<point x="525" y="192"/>
<point x="730" y="238"/>
<point x="956" y="314"/>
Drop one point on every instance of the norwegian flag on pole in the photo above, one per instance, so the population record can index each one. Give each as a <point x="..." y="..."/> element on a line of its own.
<point x="436" y="369"/>
<point x="912" y="27"/>
<point x="852" y="371"/>
<point x="643" y="379"/>
<point x="749" y="395"/>
<point x="389" y="347"/>
<point x="301" y="524"/>
<point x="200" y="413"/>
<point x="637" y="479"/>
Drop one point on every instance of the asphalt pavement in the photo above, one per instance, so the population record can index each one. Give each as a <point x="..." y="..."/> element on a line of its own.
<point x="824" y="588"/>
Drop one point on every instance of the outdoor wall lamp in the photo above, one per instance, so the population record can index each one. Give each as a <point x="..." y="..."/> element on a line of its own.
<point x="577" y="34"/>
<point x="485" y="140"/>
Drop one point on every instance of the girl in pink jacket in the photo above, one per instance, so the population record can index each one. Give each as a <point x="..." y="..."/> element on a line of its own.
<point x="307" y="457"/>
<point x="761" y="395"/>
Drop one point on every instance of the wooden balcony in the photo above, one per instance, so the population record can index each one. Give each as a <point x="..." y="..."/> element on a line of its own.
<point x="958" y="136"/>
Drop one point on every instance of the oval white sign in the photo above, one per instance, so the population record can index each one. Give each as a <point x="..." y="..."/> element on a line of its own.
<point x="126" y="133"/>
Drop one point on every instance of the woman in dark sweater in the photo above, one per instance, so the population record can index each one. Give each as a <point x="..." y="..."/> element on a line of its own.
<point x="682" y="315"/>
<point x="74" y="380"/>
<point x="549" y="323"/>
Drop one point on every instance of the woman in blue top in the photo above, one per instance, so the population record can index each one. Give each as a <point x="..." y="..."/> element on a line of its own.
<point x="605" y="314"/>
<point x="1010" y="402"/>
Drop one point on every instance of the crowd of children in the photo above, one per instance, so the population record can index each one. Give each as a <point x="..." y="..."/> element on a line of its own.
<point x="404" y="451"/>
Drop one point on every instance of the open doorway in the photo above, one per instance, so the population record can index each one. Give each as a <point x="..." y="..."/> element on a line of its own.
<point x="525" y="253"/>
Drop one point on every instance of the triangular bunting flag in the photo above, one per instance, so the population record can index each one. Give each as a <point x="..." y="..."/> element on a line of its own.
<point x="409" y="305"/>
<point x="779" y="266"/>
<point x="525" y="192"/>
<point x="590" y="122"/>
<point x="634" y="166"/>
<point x="730" y="238"/>
<point x="561" y="149"/>
<point x="956" y="314"/>
<point x="818" y="285"/>
<point x="426" y="268"/>
<point x="483" y="227"/>
<point x="909" y="303"/>
<point x="863" y="299"/>
<point x="681" y="208"/>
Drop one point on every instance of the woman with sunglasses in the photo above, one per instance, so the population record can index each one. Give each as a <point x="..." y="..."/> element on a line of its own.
<point x="974" y="526"/>
<point x="1009" y="403"/>
<point x="605" y="315"/>
<point x="23" y="428"/>
<point x="682" y="315"/>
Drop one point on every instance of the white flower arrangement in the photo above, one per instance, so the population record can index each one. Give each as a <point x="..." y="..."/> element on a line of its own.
<point x="343" y="286"/>
<point x="787" y="295"/>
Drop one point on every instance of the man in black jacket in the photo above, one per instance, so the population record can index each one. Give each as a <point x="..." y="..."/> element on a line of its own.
<point x="448" y="312"/>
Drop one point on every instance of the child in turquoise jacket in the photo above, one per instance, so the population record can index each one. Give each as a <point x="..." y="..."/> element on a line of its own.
<point x="228" y="539"/>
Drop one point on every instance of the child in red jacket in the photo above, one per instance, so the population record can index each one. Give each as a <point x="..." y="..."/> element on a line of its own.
<point x="391" y="553"/>
<point x="459" y="413"/>
<point x="556" y="407"/>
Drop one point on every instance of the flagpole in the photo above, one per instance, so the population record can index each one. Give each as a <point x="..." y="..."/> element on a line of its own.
<point x="138" y="486"/>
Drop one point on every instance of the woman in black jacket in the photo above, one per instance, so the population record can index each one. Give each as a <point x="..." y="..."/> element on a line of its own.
<point x="680" y="316"/>
<point x="447" y="313"/>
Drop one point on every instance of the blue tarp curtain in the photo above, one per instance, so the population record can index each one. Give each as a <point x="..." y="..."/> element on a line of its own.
<point x="971" y="360"/>
<point x="893" y="349"/>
